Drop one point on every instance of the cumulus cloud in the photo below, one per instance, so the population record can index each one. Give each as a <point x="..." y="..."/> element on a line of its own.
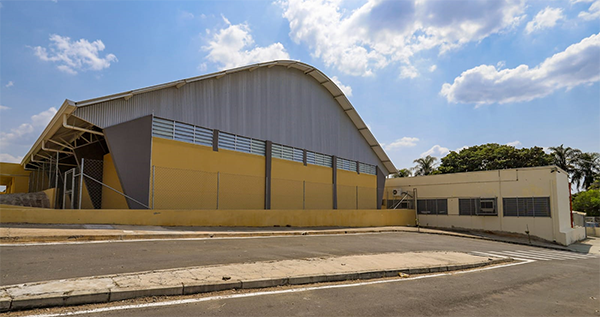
<point x="578" y="64"/>
<point x="36" y="124"/>
<point x="4" y="107"/>
<point x="432" y="68"/>
<point x="409" y="71"/>
<point x="74" y="56"/>
<point x="437" y="151"/>
<point x="10" y="84"/>
<point x="381" y="32"/>
<point x="545" y="19"/>
<point x="514" y="143"/>
<point x="400" y="143"/>
<point x="234" y="46"/>
<point x="4" y="157"/>
<point x="592" y="13"/>
<point x="347" y="90"/>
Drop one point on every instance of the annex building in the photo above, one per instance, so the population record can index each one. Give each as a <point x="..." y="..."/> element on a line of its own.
<point x="277" y="135"/>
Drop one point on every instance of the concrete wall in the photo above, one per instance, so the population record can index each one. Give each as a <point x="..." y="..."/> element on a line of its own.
<point x="527" y="182"/>
<point x="14" y="177"/>
<point x="296" y="186"/>
<point x="245" y="218"/>
<point x="355" y="189"/>
<point x="110" y="198"/>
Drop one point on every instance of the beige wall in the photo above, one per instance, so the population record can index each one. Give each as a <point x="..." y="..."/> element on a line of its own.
<point x="526" y="182"/>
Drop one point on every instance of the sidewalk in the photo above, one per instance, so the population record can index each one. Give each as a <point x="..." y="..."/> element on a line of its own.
<point x="201" y="279"/>
<point x="40" y="233"/>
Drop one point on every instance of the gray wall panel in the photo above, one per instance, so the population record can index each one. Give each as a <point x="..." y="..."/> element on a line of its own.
<point x="278" y="104"/>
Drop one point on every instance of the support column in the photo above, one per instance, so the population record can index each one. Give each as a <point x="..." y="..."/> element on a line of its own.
<point x="380" y="186"/>
<point x="268" y="157"/>
<point x="215" y="140"/>
<point x="334" y="181"/>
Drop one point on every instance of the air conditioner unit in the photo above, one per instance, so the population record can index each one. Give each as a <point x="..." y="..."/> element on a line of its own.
<point x="487" y="207"/>
<point x="397" y="192"/>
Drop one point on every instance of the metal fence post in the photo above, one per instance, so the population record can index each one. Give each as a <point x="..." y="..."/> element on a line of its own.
<point x="218" y="181"/>
<point x="303" y="194"/>
<point x="81" y="182"/>
<point x="153" y="176"/>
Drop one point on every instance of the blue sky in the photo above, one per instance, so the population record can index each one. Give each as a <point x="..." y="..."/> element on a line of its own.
<point x="428" y="77"/>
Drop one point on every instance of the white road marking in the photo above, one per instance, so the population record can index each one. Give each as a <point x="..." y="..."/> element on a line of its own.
<point x="293" y="290"/>
<point x="540" y="255"/>
<point x="28" y="244"/>
<point x="563" y="254"/>
<point x="501" y="256"/>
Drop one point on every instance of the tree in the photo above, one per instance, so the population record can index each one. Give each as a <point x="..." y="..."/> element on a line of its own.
<point x="587" y="168"/>
<point x="588" y="202"/>
<point x="405" y="172"/>
<point x="493" y="156"/>
<point x="425" y="165"/>
<point x="564" y="157"/>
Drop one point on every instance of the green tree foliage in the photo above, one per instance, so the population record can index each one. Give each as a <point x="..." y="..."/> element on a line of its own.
<point x="425" y="165"/>
<point x="587" y="168"/>
<point x="565" y="157"/>
<point x="405" y="172"/>
<point x="493" y="156"/>
<point x="588" y="202"/>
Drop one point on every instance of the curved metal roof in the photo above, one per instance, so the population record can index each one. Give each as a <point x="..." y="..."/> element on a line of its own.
<point x="325" y="81"/>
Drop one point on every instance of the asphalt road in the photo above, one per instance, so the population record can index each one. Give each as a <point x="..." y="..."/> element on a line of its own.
<point x="20" y="264"/>
<point x="542" y="288"/>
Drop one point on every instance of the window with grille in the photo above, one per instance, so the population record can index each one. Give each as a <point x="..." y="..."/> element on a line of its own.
<point x="179" y="131"/>
<point x="526" y="207"/>
<point x="344" y="164"/>
<point x="287" y="153"/>
<point x="241" y="144"/>
<point x="319" y="159"/>
<point x="432" y="206"/>
<point x="477" y="207"/>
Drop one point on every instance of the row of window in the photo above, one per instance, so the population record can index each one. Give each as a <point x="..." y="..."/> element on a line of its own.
<point x="512" y="207"/>
<point x="174" y="130"/>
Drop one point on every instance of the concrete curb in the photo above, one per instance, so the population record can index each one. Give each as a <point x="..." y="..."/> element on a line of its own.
<point x="105" y="295"/>
<point x="126" y="237"/>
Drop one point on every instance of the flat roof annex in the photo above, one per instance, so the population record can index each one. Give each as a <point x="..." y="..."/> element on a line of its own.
<point x="69" y="106"/>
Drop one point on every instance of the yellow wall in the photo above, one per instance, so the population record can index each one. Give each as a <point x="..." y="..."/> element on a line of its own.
<point x="51" y="194"/>
<point x="111" y="199"/>
<point x="233" y="218"/>
<point x="186" y="176"/>
<point x="15" y="177"/>
<point x="295" y="186"/>
<point x="350" y="185"/>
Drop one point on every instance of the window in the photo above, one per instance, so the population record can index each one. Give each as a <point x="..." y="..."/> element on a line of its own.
<point x="364" y="168"/>
<point x="287" y="153"/>
<point x="344" y="164"/>
<point x="179" y="131"/>
<point x="432" y="206"/>
<point x="319" y="159"/>
<point x="526" y="207"/>
<point x="241" y="144"/>
<point x="477" y="207"/>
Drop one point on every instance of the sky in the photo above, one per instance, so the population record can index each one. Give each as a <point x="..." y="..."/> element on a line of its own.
<point x="427" y="77"/>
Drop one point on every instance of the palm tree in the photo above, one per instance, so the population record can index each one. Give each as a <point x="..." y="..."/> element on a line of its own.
<point x="587" y="168"/>
<point x="564" y="157"/>
<point x="405" y="172"/>
<point x="425" y="165"/>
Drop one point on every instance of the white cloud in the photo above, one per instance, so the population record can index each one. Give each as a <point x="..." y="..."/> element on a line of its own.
<point x="432" y="68"/>
<point x="545" y="19"/>
<point x="461" y="148"/>
<point x="185" y="15"/>
<point x="347" y="90"/>
<point x="9" y="158"/>
<point x="381" y="32"/>
<point x="37" y="123"/>
<point x="514" y="143"/>
<point x="4" y="107"/>
<point x="436" y="151"/>
<point x="73" y="56"/>
<point x="592" y="13"/>
<point x="10" y="84"/>
<point x="234" y="46"/>
<point x="202" y="67"/>
<point x="500" y="65"/>
<point x="409" y="71"/>
<point x="577" y="65"/>
<point x="400" y="143"/>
